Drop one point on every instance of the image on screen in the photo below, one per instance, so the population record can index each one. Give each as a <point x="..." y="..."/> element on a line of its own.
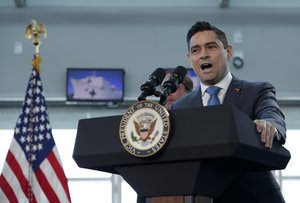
<point x="95" y="84"/>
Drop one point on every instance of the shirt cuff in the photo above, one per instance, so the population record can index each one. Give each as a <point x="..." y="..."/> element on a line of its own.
<point x="277" y="135"/>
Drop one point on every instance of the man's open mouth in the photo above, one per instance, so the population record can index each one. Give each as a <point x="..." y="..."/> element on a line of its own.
<point x="205" y="66"/>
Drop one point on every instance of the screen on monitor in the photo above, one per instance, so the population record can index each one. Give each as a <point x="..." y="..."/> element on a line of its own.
<point x="95" y="84"/>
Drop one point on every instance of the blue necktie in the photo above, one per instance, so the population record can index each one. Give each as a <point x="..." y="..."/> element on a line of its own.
<point x="213" y="91"/>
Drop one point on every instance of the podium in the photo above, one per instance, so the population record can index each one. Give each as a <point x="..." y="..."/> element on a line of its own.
<point x="207" y="148"/>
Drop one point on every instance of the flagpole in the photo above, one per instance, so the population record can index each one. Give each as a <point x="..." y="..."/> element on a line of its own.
<point x="34" y="30"/>
<point x="33" y="171"/>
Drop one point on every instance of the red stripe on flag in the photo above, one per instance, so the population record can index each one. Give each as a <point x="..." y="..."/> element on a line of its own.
<point x="26" y="131"/>
<point x="46" y="187"/>
<point x="7" y="190"/>
<point x="15" y="167"/>
<point x="59" y="172"/>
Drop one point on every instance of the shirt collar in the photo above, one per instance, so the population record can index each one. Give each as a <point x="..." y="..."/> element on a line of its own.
<point x="224" y="84"/>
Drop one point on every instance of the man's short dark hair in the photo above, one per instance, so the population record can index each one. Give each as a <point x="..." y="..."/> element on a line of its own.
<point x="201" y="26"/>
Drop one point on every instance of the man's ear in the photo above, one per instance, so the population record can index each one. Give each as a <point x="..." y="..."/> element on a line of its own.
<point x="229" y="51"/>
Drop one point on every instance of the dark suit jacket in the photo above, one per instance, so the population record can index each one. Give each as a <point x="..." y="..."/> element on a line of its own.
<point x="257" y="100"/>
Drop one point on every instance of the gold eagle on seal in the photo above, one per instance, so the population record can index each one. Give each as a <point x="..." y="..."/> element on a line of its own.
<point x="144" y="129"/>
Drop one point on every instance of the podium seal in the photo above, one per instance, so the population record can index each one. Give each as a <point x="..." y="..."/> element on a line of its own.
<point x="144" y="128"/>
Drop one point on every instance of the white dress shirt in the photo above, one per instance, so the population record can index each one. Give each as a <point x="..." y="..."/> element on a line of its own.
<point x="223" y="84"/>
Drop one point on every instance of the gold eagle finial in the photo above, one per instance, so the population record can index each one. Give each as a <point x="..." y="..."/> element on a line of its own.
<point x="35" y="30"/>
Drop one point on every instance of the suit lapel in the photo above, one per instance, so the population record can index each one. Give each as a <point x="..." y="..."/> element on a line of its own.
<point x="233" y="91"/>
<point x="197" y="98"/>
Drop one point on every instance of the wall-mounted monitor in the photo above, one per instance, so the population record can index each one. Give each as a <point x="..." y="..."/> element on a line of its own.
<point x="95" y="84"/>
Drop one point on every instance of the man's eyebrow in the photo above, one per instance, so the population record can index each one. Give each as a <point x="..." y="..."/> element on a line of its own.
<point x="213" y="42"/>
<point x="195" y="46"/>
<point x="207" y="43"/>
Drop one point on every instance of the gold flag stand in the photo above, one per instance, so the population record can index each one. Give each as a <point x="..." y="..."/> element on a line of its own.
<point x="34" y="30"/>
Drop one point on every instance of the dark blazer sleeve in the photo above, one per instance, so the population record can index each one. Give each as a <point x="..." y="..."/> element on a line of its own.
<point x="258" y="101"/>
<point x="268" y="109"/>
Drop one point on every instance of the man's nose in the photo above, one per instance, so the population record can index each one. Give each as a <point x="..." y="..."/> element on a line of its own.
<point x="204" y="54"/>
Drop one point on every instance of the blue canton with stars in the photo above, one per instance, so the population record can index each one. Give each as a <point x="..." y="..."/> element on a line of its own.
<point x="33" y="131"/>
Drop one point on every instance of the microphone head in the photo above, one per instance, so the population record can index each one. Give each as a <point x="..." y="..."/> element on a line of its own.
<point x="180" y="73"/>
<point x="176" y="77"/>
<point x="158" y="76"/>
<point x="155" y="79"/>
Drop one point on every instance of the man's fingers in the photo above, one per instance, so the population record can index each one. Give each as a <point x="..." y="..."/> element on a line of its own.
<point x="261" y="128"/>
<point x="258" y="125"/>
<point x="268" y="135"/>
<point x="272" y="132"/>
<point x="267" y="132"/>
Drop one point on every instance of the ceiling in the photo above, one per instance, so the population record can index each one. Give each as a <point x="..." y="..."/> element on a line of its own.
<point x="60" y="11"/>
<point x="152" y="3"/>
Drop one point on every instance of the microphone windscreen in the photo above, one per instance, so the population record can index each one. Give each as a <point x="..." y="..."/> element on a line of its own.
<point x="180" y="71"/>
<point x="159" y="74"/>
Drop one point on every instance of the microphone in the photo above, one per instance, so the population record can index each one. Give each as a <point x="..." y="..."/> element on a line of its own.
<point x="155" y="79"/>
<point x="171" y="85"/>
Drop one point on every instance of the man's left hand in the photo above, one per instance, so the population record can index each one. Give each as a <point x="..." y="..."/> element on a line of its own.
<point x="267" y="132"/>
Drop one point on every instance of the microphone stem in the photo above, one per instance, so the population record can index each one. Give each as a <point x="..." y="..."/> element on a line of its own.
<point x="162" y="99"/>
<point x="142" y="98"/>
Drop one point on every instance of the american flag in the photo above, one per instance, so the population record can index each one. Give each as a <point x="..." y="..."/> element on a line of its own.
<point x="33" y="170"/>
